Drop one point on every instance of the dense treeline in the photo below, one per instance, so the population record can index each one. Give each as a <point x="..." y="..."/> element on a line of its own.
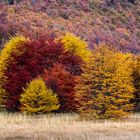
<point x="62" y="75"/>
<point x="50" y="69"/>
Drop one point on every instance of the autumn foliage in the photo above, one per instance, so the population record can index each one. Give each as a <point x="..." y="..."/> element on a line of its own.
<point x="63" y="83"/>
<point x="105" y="88"/>
<point x="76" y="46"/>
<point x="34" y="58"/>
<point x="114" y="22"/>
<point x="61" y="48"/>
<point x="62" y="75"/>
<point x="37" y="98"/>
<point x="5" y="56"/>
<point x="136" y="77"/>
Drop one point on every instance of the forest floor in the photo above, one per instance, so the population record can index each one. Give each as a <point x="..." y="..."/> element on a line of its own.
<point x="66" y="127"/>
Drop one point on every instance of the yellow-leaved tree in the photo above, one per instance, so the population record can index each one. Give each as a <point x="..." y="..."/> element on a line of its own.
<point x="37" y="98"/>
<point x="5" y="55"/>
<point x="76" y="46"/>
<point x="105" y="89"/>
<point x="136" y="76"/>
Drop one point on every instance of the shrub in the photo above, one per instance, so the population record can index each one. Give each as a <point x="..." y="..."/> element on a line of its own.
<point x="37" y="98"/>
<point x="105" y="88"/>
<point x="76" y="46"/>
<point x="62" y="82"/>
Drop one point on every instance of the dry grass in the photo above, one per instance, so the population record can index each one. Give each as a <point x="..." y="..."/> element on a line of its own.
<point x="66" y="127"/>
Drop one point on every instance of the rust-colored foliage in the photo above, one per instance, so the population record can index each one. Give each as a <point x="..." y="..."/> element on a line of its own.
<point x="37" y="55"/>
<point x="62" y="82"/>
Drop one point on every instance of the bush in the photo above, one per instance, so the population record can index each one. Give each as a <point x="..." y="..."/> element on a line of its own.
<point x="37" y="98"/>
<point x="105" y="89"/>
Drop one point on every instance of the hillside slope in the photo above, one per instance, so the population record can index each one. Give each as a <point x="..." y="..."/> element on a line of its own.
<point x="115" y="22"/>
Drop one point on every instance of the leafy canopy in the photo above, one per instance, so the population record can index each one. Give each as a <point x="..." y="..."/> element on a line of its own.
<point x="105" y="88"/>
<point x="76" y="46"/>
<point x="37" y="98"/>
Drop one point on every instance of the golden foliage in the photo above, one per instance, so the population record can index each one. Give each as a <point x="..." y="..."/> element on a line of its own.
<point x="106" y="88"/>
<point x="5" y="56"/>
<point x="76" y="46"/>
<point x="136" y="76"/>
<point x="10" y="47"/>
<point x="37" y="98"/>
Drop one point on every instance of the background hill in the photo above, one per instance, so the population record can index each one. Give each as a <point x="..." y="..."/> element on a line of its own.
<point x="116" y="22"/>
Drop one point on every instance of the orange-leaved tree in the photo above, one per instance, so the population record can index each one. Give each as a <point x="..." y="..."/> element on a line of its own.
<point x="136" y="77"/>
<point x="105" y="88"/>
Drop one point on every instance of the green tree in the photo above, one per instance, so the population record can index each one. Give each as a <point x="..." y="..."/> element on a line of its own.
<point x="105" y="88"/>
<point x="37" y="98"/>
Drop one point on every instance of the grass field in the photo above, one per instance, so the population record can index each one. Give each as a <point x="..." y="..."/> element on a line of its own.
<point x="66" y="127"/>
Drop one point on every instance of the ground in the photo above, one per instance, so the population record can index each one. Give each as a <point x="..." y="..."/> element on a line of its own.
<point x="66" y="127"/>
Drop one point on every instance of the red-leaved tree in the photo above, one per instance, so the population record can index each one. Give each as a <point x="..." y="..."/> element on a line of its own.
<point x="63" y="83"/>
<point x="36" y="56"/>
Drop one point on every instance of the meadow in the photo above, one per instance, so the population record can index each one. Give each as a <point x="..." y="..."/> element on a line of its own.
<point x="66" y="127"/>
